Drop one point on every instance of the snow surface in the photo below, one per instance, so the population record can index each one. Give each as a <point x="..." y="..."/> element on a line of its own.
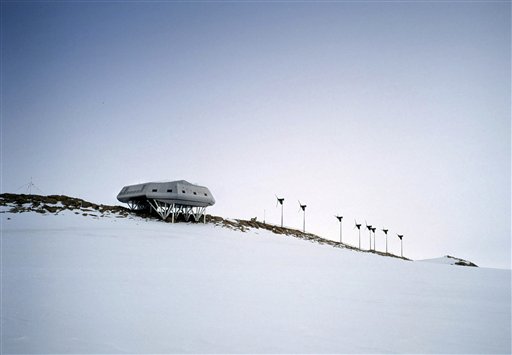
<point x="75" y="284"/>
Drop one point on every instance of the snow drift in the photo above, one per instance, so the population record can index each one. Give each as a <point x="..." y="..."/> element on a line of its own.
<point x="91" y="284"/>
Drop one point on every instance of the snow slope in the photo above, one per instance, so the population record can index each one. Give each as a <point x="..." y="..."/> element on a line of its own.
<point x="75" y="284"/>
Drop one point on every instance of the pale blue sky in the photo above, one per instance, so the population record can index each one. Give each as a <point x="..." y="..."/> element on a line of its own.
<point x="393" y="112"/>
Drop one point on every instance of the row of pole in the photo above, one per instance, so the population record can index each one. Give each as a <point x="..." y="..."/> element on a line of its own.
<point x="370" y="228"/>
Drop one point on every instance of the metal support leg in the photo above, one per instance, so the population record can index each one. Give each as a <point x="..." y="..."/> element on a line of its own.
<point x="161" y="208"/>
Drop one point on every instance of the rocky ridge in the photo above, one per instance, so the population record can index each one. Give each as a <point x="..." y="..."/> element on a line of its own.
<point x="54" y="204"/>
<point x="461" y="262"/>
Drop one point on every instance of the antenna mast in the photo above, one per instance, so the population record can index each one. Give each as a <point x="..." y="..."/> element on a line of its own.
<point x="28" y="187"/>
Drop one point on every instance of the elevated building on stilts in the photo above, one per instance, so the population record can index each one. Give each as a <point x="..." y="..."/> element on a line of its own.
<point x="169" y="199"/>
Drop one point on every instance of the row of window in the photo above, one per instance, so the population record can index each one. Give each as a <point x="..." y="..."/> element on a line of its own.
<point x="182" y="191"/>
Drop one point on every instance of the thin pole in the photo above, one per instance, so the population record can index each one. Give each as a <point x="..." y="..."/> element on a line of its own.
<point x="402" y="248"/>
<point x="281" y="215"/>
<point x="304" y="222"/>
<point x="386" y="233"/>
<point x="359" y="229"/>
<point x="341" y="230"/>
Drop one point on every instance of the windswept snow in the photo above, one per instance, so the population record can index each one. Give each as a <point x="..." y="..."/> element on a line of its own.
<point x="75" y="284"/>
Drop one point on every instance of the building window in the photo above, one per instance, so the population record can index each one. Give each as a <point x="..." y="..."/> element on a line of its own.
<point x="183" y="191"/>
<point x="169" y="190"/>
<point x="154" y="190"/>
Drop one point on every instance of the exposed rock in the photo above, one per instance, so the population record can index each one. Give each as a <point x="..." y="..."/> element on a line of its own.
<point x="461" y="262"/>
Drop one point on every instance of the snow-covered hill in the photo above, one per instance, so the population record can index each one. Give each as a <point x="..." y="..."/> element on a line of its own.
<point x="90" y="284"/>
